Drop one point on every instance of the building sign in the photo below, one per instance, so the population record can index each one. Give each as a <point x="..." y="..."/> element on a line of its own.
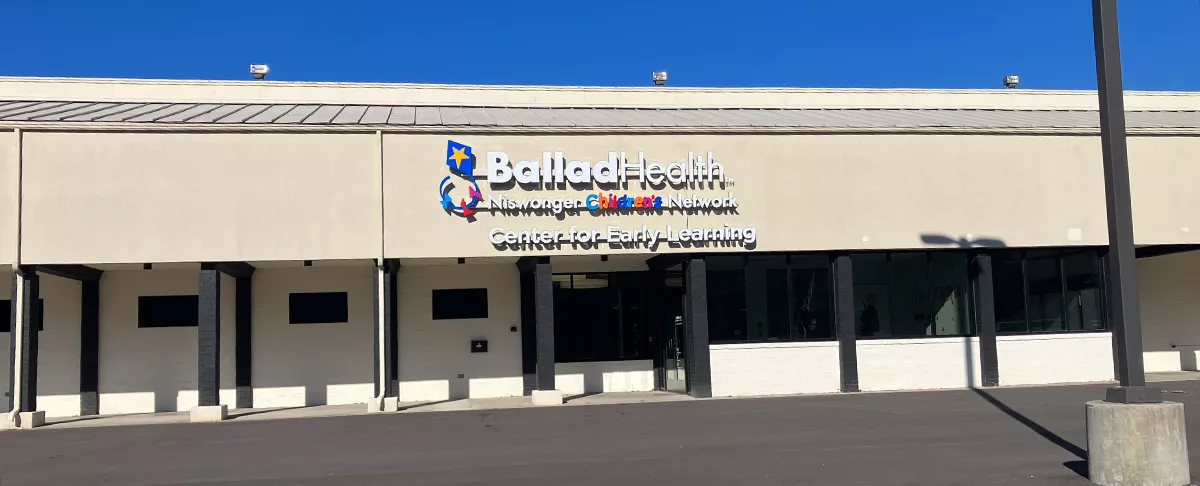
<point x="614" y="184"/>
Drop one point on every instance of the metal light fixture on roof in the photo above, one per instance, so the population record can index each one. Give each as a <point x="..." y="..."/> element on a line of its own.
<point x="1011" y="80"/>
<point x="659" y="77"/>
<point x="259" y="71"/>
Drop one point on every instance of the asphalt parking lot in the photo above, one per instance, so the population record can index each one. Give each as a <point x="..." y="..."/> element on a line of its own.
<point x="1001" y="436"/>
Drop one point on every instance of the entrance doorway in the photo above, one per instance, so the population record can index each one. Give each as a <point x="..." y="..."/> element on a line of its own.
<point x="672" y="352"/>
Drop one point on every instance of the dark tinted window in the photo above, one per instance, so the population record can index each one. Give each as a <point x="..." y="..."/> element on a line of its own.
<point x="317" y="308"/>
<point x="1049" y="291"/>
<point x="460" y="304"/>
<point x="760" y="298"/>
<point x="1008" y="287"/>
<point x="601" y="316"/>
<point x="6" y="319"/>
<point x="168" y="311"/>
<point x="726" y="287"/>
<point x="909" y="294"/>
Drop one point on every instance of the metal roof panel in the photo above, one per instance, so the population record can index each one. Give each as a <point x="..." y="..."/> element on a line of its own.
<point x="242" y="114"/>
<point x="30" y="115"/>
<point x="297" y="114"/>
<point x="428" y="115"/>
<point x="35" y="107"/>
<point x="865" y="118"/>
<point x="124" y="115"/>
<point x="324" y="114"/>
<point x="502" y="116"/>
<point x="478" y="117"/>
<point x="155" y="115"/>
<point x="269" y="115"/>
<point x="189" y="113"/>
<point x="350" y="115"/>
<point x="215" y="114"/>
<point x="79" y="111"/>
<point x="452" y="115"/>
<point x="375" y="115"/>
<point x="402" y="115"/>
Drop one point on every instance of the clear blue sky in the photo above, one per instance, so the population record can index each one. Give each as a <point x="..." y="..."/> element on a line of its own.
<point x="831" y="43"/>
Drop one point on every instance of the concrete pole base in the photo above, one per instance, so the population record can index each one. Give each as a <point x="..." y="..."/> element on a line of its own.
<point x="211" y="413"/>
<point x="1142" y="444"/>
<point x="29" y="420"/>
<point x="387" y="404"/>
<point x="547" y="397"/>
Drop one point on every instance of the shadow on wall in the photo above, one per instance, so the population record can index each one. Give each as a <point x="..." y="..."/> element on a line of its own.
<point x="1187" y="358"/>
<point x="966" y="242"/>
<point x="593" y="381"/>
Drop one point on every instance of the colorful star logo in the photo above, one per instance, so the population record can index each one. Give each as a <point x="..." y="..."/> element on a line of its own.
<point x="461" y="163"/>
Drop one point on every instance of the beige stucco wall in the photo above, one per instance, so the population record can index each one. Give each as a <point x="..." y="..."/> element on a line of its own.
<point x="168" y="197"/>
<point x="9" y="170"/>
<point x="141" y="197"/>
<point x="1162" y="175"/>
<point x="801" y="192"/>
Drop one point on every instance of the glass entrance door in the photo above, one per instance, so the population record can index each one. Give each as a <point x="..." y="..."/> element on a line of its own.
<point x="672" y="332"/>
<point x="675" y="361"/>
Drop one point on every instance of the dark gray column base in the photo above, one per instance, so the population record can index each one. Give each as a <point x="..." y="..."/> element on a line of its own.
<point x="245" y="397"/>
<point x="89" y="403"/>
<point x="1133" y="394"/>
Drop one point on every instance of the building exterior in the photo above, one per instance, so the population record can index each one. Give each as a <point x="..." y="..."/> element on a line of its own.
<point x="275" y="244"/>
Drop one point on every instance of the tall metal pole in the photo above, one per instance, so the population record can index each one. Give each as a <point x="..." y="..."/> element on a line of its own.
<point x="1127" y="323"/>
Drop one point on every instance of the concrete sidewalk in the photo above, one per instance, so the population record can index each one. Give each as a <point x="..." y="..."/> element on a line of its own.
<point x="1172" y="376"/>
<point x="360" y="409"/>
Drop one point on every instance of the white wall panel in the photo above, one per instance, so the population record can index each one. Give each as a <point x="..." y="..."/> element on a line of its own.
<point x="1167" y="288"/>
<point x="774" y="368"/>
<point x="312" y="364"/>
<point x="436" y="362"/>
<point x="1055" y="358"/>
<point x="604" y="376"/>
<point x="918" y="364"/>
<point x="58" y="348"/>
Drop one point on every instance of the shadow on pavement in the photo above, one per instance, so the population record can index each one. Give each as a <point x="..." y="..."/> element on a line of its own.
<point x="71" y="420"/>
<point x="409" y="406"/>
<point x="582" y="395"/>
<point x="233" y="415"/>
<point x="1079" y="467"/>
